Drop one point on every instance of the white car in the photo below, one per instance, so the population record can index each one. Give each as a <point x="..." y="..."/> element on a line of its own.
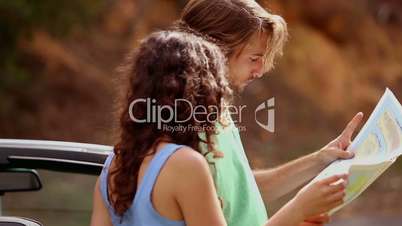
<point x="20" y="160"/>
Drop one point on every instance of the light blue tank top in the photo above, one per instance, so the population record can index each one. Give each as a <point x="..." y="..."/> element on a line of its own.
<point x="141" y="212"/>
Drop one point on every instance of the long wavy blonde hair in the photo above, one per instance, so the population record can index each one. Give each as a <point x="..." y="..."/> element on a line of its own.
<point x="230" y="24"/>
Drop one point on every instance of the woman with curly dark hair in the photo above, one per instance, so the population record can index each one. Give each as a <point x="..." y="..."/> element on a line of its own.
<point x="169" y="75"/>
<point x="176" y="95"/>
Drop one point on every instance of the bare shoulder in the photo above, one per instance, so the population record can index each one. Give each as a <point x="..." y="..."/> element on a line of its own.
<point x="188" y="168"/>
<point x="189" y="172"/>
<point x="193" y="188"/>
<point x="188" y="161"/>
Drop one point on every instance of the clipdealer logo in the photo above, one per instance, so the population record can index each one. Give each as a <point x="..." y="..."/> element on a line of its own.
<point x="267" y="105"/>
<point x="163" y="114"/>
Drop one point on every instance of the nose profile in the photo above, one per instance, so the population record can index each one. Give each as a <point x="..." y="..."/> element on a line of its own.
<point x="258" y="71"/>
<point x="257" y="75"/>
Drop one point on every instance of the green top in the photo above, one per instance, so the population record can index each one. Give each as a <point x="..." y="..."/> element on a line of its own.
<point x="234" y="180"/>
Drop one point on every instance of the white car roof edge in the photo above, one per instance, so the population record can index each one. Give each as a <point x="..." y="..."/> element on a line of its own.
<point x="54" y="145"/>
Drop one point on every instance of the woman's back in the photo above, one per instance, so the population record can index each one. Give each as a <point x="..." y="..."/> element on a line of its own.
<point x="165" y="77"/>
<point x="152" y="192"/>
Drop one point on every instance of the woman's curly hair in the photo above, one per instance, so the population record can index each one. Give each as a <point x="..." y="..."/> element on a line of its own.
<point x="167" y="66"/>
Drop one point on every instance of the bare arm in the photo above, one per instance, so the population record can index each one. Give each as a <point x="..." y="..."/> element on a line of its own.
<point x="311" y="202"/>
<point x="100" y="214"/>
<point x="194" y="190"/>
<point x="276" y="182"/>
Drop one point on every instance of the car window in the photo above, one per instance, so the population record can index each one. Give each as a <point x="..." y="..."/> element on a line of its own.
<point x="64" y="200"/>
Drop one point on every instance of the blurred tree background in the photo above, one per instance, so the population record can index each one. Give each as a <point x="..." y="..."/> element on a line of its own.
<point x="58" y="80"/>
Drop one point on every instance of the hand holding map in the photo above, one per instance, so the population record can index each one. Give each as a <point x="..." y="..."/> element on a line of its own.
<point x="376" y="147"/>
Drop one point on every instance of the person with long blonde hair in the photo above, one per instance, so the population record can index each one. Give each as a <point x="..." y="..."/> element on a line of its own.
<point x="252" y="38"/>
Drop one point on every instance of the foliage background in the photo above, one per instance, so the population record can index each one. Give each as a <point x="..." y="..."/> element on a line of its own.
<point x="58" y="82"/>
